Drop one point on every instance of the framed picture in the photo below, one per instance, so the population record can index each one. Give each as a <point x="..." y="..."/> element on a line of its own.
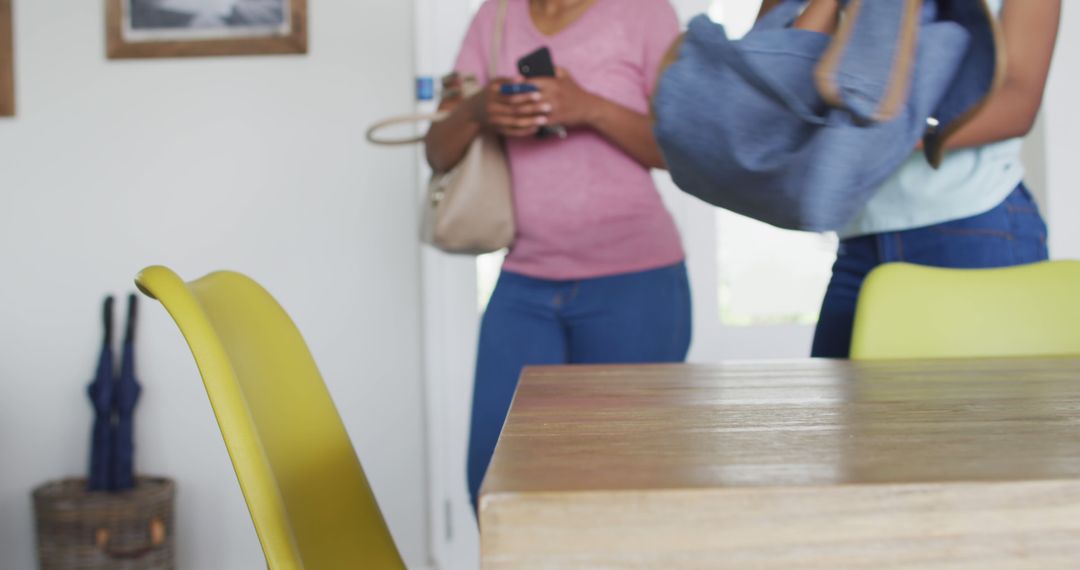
<point x="185" y="28"/>
<point x="7" y="61"/>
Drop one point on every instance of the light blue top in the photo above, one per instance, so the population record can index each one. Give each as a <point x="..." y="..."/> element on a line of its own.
<point x="969" y="182"/>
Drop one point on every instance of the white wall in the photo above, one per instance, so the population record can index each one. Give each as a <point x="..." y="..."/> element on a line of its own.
<point x="256" y="164"/>
<point x="1062" y="117"/>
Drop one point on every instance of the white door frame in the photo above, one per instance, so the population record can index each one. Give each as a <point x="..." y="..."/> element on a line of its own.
<point x="450" y="325"/>
<point x="1062" y="141"/>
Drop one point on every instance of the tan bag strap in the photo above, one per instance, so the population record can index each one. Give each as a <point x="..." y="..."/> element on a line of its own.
<point x="372" y="131"/>
<point x="497" y="39"/>
<point x="493" y="70"/>
<point x="830" y="75"/>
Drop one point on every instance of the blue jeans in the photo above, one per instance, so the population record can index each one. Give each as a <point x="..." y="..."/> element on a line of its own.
<point x="631" y="318"/>
<point x="1013" y="233"/>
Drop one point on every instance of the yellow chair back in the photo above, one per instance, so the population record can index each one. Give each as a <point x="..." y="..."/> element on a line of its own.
<point x="910" y="311"/>
<point x="308" y="497"/>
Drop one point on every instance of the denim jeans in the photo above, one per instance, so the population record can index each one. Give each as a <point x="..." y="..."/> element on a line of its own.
<point x="1013" y="233"/>
<point x="633" y="318"/>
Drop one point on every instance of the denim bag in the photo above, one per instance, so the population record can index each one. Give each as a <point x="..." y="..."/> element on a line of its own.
<point x="799" y="129"/>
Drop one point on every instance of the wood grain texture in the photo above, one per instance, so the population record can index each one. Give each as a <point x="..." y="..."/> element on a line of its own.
<point x="7" y="60"/>
<point x="117" y="47"/>
<point x="810" y="464"/>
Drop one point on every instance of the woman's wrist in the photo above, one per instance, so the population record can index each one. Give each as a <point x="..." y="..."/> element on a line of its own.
<point x="474" y="109"/>
<point x="594" y="110"/>
<point x="820" y="16"/>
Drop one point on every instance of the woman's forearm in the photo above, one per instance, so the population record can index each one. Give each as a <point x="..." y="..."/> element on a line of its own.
<point x="766" y="6"/>
<point x="1009" y="113"/>
<point x="1030" y="30"/>
<point x="627" y="129"/>
<point x="820" y="16"/>
<point x="448" y="140"/>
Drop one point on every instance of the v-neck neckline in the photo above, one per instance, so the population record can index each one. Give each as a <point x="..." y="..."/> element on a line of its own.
<point x="568" y="29"/>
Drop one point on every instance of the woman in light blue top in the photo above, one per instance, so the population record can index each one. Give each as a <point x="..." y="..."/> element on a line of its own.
<point x="974" y="211"/>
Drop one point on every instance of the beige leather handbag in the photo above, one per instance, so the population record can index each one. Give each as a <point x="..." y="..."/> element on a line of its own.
<point x="469" y="209"/>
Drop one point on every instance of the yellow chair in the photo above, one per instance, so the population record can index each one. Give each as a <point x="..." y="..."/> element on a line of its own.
<point x="911" y="311"/>
<point x="308" y="497"/>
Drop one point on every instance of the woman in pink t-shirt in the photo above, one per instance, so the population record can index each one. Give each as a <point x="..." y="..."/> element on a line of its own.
<point x="596" y="272"/>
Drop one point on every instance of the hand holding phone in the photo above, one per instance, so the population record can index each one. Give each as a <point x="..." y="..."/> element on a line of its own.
<point x="517" y="88"/>
<point x="540" y="64"/>
<point x="510" y="108"/>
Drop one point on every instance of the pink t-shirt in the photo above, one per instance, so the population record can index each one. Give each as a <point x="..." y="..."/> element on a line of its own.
<point x="584" y="208"/>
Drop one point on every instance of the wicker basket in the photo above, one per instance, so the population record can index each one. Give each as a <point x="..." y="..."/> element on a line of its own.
<point x="131" y="530"/>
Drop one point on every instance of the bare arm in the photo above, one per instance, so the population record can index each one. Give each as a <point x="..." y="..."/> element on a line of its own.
<point x="820" y="16"/>
<point x="767" y="5"/>
<point x="1030" y="30"/>
<point x="629" y="130"/>
<point x="510" y="116"/>
<point x="447" y="140"/>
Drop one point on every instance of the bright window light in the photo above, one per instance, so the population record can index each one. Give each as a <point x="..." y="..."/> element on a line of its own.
<point x="770" y="276"/>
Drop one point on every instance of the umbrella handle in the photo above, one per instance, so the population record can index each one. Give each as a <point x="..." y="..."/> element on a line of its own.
<point x="129" y="334"/>
<point x="107" y="319"/>
<point x="157" y="538"/>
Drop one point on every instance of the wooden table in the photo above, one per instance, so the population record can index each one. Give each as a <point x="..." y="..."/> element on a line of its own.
<point x="809" y="464"/>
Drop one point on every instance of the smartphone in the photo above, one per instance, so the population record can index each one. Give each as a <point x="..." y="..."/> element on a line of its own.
<point x="517" y="88"/>
<point x="537" y="64"/>
<point x="540" y="64"/>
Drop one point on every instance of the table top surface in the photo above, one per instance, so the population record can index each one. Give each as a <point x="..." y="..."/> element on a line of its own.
<point x="789" y="424"/>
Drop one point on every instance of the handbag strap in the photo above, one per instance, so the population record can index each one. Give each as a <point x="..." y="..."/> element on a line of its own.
<point x="498" y="39"/>
<point x="868" y="67"/>
<point x="493" y="70"/>
<point x="401" y="120"/>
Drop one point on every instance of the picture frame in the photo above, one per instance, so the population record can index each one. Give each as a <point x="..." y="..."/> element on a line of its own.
<point x="195" y="28"/>
<point x="7" y="60"/>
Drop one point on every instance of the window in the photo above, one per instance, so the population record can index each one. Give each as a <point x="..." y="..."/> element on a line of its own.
<point x="766" y="275"/>
<point x="487" y="274"/>
<point x="770" y="276"/>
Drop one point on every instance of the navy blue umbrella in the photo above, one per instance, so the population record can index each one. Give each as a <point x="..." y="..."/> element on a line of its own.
<point x="125" y="396"/>
<point x="101" y="396"/>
